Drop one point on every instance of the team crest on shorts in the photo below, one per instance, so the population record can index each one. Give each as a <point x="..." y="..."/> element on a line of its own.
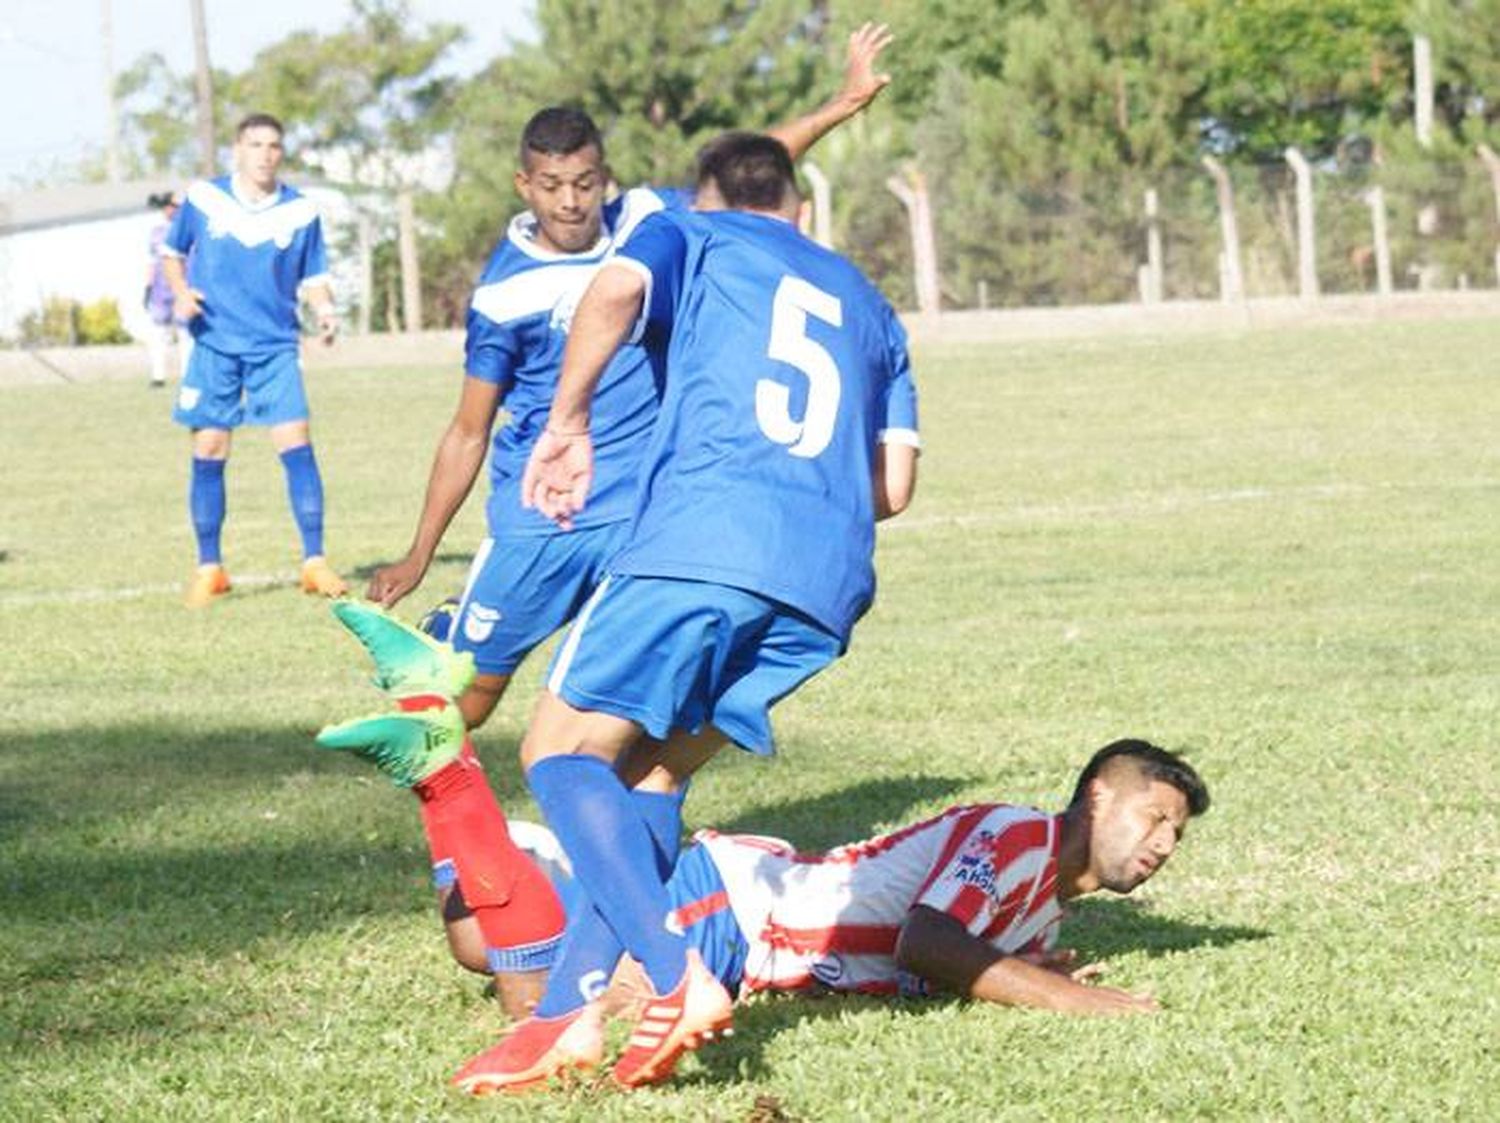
<point x="479" y="622"/>
<point x="187" y="397"/>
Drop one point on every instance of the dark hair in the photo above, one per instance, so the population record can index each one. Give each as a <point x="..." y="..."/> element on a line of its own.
<point x="1154" y="763"/>
<point x="560" y="131"/>
<point x="258" y="121"/>
<point x="157" y="200"/>
<point x="751" y="170"/>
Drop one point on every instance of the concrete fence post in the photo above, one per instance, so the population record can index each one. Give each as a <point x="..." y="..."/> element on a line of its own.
<point x="911" y="188"/>
<point x="1375" y="200"/>
<point x="822" y="215"/>
<point x="1492" y="162"/>
<point x="411" y="273"/>
<point x="1307" y="253"/>
<point x="1151" y="272"/>
<point x="1231" y="271"/>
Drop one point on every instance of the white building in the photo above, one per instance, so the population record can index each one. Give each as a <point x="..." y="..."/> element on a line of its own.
<point x="88" y="242"/>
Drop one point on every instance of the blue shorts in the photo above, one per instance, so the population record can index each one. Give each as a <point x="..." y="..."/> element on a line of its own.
<point x="701" y="905"/>
<point x="221" y="391"/>
<point x="521" y="590"/>
<point x="670" y="654"/>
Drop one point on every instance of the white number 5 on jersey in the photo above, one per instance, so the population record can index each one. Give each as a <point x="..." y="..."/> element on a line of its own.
<point x="796" y="300"/>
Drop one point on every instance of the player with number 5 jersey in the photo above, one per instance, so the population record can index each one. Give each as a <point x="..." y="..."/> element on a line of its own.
<point x="787" y="428"/>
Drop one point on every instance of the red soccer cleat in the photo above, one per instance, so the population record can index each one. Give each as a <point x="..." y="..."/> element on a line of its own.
<point x="672" y="1024"/>
<point x="535" y="1051"/>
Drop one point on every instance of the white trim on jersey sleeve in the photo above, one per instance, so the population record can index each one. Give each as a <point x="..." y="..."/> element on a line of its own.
<point x="909" y="437"/>
<point x="635" y="206"/>
<point x="165" y="250"/>
<point x="226" y="216"/>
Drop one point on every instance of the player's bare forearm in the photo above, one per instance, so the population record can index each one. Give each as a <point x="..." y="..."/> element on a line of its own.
<point x="186" y="301"/>
<point x="603" y="319"/>
<point x="455" y="466"/>
<point x="938" y="948"/>
<point x="862" y="83"/>
<point x="895" y="479"/>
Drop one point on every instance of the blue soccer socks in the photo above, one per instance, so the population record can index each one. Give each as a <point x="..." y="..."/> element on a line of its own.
<point x="304" y="490"/>
<point x="206" y="506"/>
<point x="591" y="949"/>
<point x="616" y="862"/>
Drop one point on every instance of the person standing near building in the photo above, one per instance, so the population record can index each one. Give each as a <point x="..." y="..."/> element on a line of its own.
<point x="164" y="330"/>
<point x="239" y="253"/>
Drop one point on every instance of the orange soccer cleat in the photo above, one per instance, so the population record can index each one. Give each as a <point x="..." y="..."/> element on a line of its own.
<point x="535" y="1051"/>
<point x="318" y="578"/>
<point x="209" y="583"/>
<point x="671" y="1024"/>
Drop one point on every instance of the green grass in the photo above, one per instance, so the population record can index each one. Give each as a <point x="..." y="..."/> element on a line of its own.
<point x="1277" y="550"/>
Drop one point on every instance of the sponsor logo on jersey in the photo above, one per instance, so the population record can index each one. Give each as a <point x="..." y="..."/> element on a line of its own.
<point x="479" y="622"/>
<point x="974" y="865"/>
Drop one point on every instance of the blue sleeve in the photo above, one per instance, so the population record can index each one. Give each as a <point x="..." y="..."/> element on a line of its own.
<point x="187" y="223"/>
<point x="490" y="350"/>
<point x="899" y="422"/>
<point x="314" y="256"/>
<point x="659" y="247"/>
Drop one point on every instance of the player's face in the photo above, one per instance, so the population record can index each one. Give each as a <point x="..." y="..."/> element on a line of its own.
<point x="257" y="156"/>
<point x="1136" y="828"/>
<point x="566" y="193"/>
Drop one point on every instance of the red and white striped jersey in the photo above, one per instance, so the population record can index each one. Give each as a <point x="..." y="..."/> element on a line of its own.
<point x="831" y="920"/>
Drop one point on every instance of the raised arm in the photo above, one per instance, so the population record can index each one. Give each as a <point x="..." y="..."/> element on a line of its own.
<point x="562" y="462"/>
<point x="862" y="82"/>
<point x="460" y="454"/>
<point x="936" y="947"/>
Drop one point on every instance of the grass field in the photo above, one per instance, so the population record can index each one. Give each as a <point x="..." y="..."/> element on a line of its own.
<point x="1277" y="551"/>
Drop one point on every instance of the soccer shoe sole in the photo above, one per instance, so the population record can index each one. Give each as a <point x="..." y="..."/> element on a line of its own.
<point x="406" y="661"/>
<point x="407" y="747"/>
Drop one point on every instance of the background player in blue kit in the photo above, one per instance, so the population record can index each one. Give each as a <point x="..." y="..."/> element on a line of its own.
<point x="787" y="428"/>
<point x="528" y="580"/>
<point x="254" y="243"/>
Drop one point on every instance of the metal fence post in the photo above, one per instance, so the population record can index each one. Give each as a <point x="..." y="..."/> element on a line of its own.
<point x="912" y="191"/>
<point x="822" y="207"/>
<point x="1375" y="200"/>
<point x="1232" y="274"/>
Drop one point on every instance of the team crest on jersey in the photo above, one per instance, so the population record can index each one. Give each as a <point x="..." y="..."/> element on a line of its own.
<point x="562" y="311"/>
<point x="829" y="969"/>
<point x="479" y="622"/>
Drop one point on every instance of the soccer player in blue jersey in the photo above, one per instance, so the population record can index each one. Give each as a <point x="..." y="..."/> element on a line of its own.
<point x="237" y="255"/>
<point x="528" y="577"/>
<point x="787" y="429"/>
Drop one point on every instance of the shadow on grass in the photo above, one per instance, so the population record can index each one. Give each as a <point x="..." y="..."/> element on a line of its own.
<point x="362" y="573"/>
<point x="846" y="815"/>
<point x="1107" y="926"/>
<point x="1097" y="929"/>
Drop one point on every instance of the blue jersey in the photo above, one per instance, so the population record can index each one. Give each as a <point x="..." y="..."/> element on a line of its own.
<point x="517" y="330"/>
<point x="785" y="369"/>
<point x="248" y="260"/>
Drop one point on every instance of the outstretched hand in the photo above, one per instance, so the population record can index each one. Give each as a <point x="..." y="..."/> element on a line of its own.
<point x="861" y="80"/>
<point x="558" y="475"/>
